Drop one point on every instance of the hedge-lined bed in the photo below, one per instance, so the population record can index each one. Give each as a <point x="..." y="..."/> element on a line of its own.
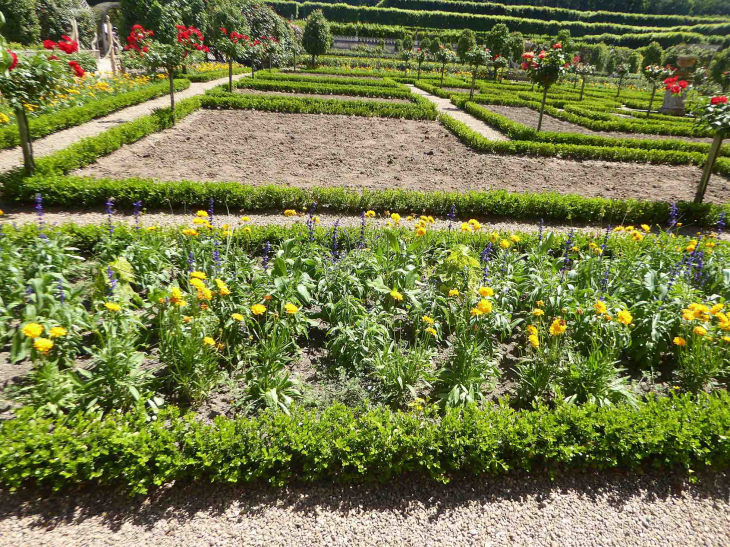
<point x="47" y="124"/>
<point x="342" y="88"/>
<point x="213" y="74"/>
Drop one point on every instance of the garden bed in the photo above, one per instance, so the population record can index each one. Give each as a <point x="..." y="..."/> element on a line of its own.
<point x="317" y="96"/>
<point x="324" y="150"/>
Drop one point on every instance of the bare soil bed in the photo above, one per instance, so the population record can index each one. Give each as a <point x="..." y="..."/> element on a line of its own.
<point x="320" y="96"/>
<point x="529" y="117"/>
<point x="308" y="150"/>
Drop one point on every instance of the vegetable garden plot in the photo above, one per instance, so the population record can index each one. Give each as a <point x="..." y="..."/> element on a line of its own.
<point x="322" y="150"/>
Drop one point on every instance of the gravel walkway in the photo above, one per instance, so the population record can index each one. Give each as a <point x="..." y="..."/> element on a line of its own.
<point x="575" y="510"/>
<point x="13" y="157"/>
<point x="445" y="106"/>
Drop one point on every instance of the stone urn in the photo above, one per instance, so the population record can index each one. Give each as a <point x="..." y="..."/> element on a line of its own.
<point x="673" y="105"/>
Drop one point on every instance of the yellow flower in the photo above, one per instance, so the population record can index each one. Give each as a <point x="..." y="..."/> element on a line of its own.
<point x="245" y="219"/>
<point x="646" y="227"/>
<point x="111" y="306"/>
<point x="395" y="217"/>
<point x="198" y="275"/>
<point x="531" y="329"/>
<point x="515" y="238"/>
<point x="453" y="292"/>
<point x="466" y="228"/>
<point x="370" y="214"/>
<point x="558" y="327"/>
<point x="58" y="332"/>
<point x="534" y="340"/>
<point x="484" y="306"/>
<point x="726" y="339"/>
<point x="201" y="222"/>
<point x="575" y="249"/>
<point x="679" y="341"/>
<point x="208" y="341"/>
<point x="493" y="237"/>
<point x="476" y="312"/>
<point x="290" y="213"/>
<point x="205" y="294"/>
<point x="151" y="228"/>
<point x="427" y="319"/>
<point x="505" y="244"/>
<point x="3" y="118"/>
<point x="223" y="289"/>
<point x="43" y="345"/>
<point x="688" y="315"/>
<point x="33" y="330"/>
<point x="431" y="330"/>
<point x="538" y="313"/>
<point x="189" y="232"/>
<point x="290" y="308"/>
<point x="201" y="214"/>
<point x="600" y="307"/>
<point x="237" y="317"/>
<point x="187" y="319"/>
<point x="197" y="283"/>
<point x="396" y="295"/>
<point x="636" y="236"/>
<point x="420" y="231"/>
<point x="540" y="304"/>
<point x="2" y="212"/>
<point x="486" y="291"/>
<point x="699" y="331"/>
<point x="619" y="229"/>
<point x="625" y="317"/>
<point x="717" y="308"/>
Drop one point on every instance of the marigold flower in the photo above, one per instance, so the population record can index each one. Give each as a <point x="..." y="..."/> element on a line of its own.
<point x="237" y="317"/>
<point x="515" y="238"/>
<point x="223" y="289"/>
<point x="600" y="307"/>
<point x="202" y="214"/>
<point x="636" y="236"/>
<point x="205" y="294"/>
<point x="395" y="217"/>
<point x="258" y="309"/>
<point x="427" y="319"/>
<point x="688" y="315"/>
<point x="290" y="213"/>
<point x="540" y="304"/>
<point x="268" y="297"/>
<point x="484" y="306"/>
<point x="534" y="341"/>
<point x="189" y="232"/>
<point x="197" y="283"/>
<point x="58" y="332"/>
<point x="538" y="313"/>
<point x="112" y="306"/>
<point x="625" y="317"/>
<point x="531" y="329"/>
<point x="420" y="231"/>
<point x="396" y="295"/>
<point x="370" y="214"/>
<point x="679" y="341"/>
<point x="453" y="292"/>
<point x="245" y="219"/>
<point x="505" y="244"/>
<point x="717" y="308"/>
<point x="466" y="228"/>
<point x="486" y="291"/>
<point x="208" y="341"/>
<point x="187" y="319"/>
<point x="432" y="331"/>
<point x="646" y="227"/>
<point x="201" y="222"/>
<point x="198" y="275"/>
<point x="493" y="237"/>
<point x="476" y="312"/>
<point x="32" y="330"/>
<point x="726" y="339"/>
<point x="43" y="345"/>
<point x="290" y="308"/>
<point x="558" y="327"/>
<point x="699" y="331"/>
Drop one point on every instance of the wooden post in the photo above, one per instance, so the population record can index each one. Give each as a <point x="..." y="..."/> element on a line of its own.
<point x="542" y="108"/>
<point x="25" y="142"/>
<point x="711" y="159"/>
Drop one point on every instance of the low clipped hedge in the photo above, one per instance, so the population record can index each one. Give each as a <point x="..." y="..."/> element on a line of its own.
<point x="47" y="124"/>
<point x="294" y="77"/>
<point x="325" y="89"/>
<point x="344" y="444"/>
<point x="213" y="74"/>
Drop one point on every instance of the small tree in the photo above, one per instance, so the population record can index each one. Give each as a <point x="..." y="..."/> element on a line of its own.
<point x="35" y="79"/>
<point x="622" y="70"/>
<point x="231" y="45"/>
<point x="656" y="75"/>
<point x="406" y="56"/>
<point x="584" y="70"/>
<point x="466" y="41"/>
<point x="477" y="56"/>
<point x="573" y="69"/>
<point x="408" y="42"/>
<point x="566" y="40"/>
<point x="545" y="69"/>
<point x="425" y="44"/>
<point x="500" y="63"/>
<point x="421" y="55"/>
<point x="715" y="116"/>
<point x="433" y="45"/>
<point x="398" y="45"/>
<point x="653" y="54"/>
<point x="499" y="43"/>
<point x="599" y="56"/>
<point x="317" y="38"/>
<point x="720" y="69"/>
<point x="444" y="55"/>
<point x="635" y="62"/>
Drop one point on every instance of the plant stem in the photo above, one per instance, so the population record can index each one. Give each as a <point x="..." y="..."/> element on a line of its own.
<point x="707" y="172"/>
<point x="25" y="142"/>
<point x="582" y="87"/>
<point x="230" y="75"/>
<point x="442" y="73"/>
<point x="651" y="101"/>
<point x="473" y="81"/>
<point x="542" y="108"/>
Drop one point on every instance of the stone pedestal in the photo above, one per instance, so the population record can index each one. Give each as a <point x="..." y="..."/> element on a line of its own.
<point x="673" y="105"/>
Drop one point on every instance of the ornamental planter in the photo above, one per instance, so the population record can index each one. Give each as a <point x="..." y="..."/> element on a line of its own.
<point x="673" y="104"/>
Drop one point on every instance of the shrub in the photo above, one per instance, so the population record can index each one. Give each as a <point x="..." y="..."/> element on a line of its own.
<point x="317" y="38"/>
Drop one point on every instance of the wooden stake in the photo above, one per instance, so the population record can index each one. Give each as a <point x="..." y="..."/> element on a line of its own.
<point x="711" y="159"/>
<point x="25" y="142"/>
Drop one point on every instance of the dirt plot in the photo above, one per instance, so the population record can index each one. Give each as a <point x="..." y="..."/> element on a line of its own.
<point x="308" y="150"/>
<point x="529" y="117"/>
<point x="286" y="94"/>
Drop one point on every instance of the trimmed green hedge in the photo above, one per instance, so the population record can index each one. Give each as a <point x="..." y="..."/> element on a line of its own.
<point x="325" y="89"/>
<point x="361" y="444"/>
<point x="295" y="77"/>
<point x="213" y="74"/>
<point x="46" y="124"/>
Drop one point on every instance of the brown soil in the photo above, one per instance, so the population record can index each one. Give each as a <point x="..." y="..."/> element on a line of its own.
<point x="529" y="117"/>
<point x="320" y="96"/>
<point x="309" y="150"/>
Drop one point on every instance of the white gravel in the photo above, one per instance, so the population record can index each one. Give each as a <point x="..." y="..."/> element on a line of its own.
<point x="576" y="510"/>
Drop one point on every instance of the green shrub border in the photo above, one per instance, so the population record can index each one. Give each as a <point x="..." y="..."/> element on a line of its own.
<point x="400" y="92"/>
<point x="342" y="444"/>
<point x="212" y="74"/>
<point x="47" y="124"/>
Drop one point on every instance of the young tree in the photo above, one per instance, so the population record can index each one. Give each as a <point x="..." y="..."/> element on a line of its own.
<point x="477" y="56"/>
<point x="622" y="70"/>
<point x="317" y="37"/>
<point x="444" y="55"/>
<point x="545" y="69"/>
<point x="599" y="56"/>
<point x="35" y="79"/>
<point x="584" y="70"/>
<point x="564" y="38"/>
<point x="231" y="45"/>
<point x="398" y="45"/>
<point x="433" y="45"/>
<point x="716" y="116"/>
<point x="425" y="45"/>
<point x="467" y="40"/>
<point x="229" y="30"/>
<point x="655" y="75"/>
<point x="635" y="62"/>
<point x="421" y="55"/>
<point x="653" y="54"/>
<point x="498" y="42"/>
<point x="720" y="69"/>
<point x="406" y="56"/>
<point x="408" y="42"/>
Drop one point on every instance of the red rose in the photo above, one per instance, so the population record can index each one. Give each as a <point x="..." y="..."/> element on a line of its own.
<point x="676" y="89"/>
<point x="49" y="44"/>
<point x="53" y="58"/>
<point x="528" y="55"/>
<point x="718" y="100"/>
<point x="224" y="31"/>
<point x="558" y="46"/>
<point x="682" y="84"/>
<point x="14" y="61"/>
<point x="542" y="55"/>
<point x="525" y="66"/>
<point x="137" y="27"/>
<point x="78" y="71"/>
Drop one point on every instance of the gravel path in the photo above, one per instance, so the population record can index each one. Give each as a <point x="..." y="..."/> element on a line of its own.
<point x="575" y="510"/>
<point x="13" y="157"/>
<point x="445" y="106"/>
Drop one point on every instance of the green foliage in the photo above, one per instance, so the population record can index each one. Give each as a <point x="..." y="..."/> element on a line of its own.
<point x="467" y="39"/>
<point x="653" y="54"/>
<point x="317" y="38"/>
<point x="635" y="62"/>
<point x="719" y="69"/>
<point x="338" y="88"/>
<point x="55" y="16"/>
<point x="21" y="21"/>
<point x="600" y="56"/>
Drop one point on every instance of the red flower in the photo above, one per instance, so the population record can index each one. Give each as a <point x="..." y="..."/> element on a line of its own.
<point x="53" y="58"/>
<point x="682" y="84"/>
<point x="224" y="31"/>
<point x="78" y="71"/>
<point x="49" y="44"/>
<point x="528" y="55"/>
<point x="670" y="81"/>
<point x="718" y="100"/>
<point x="676" y="89"/>
<point x="137" y="27"/>
<point x="576" y="59"/>
<point x="525" y="66"/>
<point x="67" y="45"/>
<point x="14" y="61"/>
<point x="558" y="46"/>
<point x="542" y="55"/>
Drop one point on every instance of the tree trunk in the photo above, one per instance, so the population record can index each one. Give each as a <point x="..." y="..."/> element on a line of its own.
<point x="230" y="75"/>
<point x="618" y="92"/>
<point x="405" y="70"/>
<point x="496" y="70"/>
<point x="651" y="102"/>
<point x="711" y="159"/>
<point x="419" y="72"/>
<point x="312" y="60"/>
<point x="269" y="62"/>
<point x="542" y="108"/>
<point x="253" y="74"/>
<point x="172" y="94"/>
<point x="473" y="81"/>
<point x="443" y="67"/>
<point x="582" y="87"/>
<point x="294" y="55"/>
<point x="25" y="141"/>
<point x="575" y="82"/>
